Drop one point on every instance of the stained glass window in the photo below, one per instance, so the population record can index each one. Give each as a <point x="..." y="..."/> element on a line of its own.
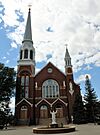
<point x="50" y="89"/>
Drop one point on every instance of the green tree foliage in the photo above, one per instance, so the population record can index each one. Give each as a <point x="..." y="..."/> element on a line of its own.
<point x="78" y="110"/>
<point x="97" y="117"/>
<point x="7" y="82"/>
<point x="90" y="101"/>
<point x="7" y="85"/>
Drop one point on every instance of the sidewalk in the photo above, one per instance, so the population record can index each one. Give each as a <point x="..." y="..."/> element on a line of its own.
<point x="86" y="129"/>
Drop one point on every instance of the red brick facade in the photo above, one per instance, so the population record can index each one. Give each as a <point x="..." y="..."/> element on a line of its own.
<point x="35" y="100"/>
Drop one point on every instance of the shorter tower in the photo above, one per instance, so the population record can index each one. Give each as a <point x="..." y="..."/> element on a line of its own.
<point x="72" y="87"/>
<point x="68" y="65"/>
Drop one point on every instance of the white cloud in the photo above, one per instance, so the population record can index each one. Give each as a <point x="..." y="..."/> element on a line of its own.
<point x="4" y="58"/>
<point x="73" y="22"/>
<point x="82" y="78"/>
<point x="15" y="68"/>
<point x="88" y="67"/>
<point x="7" y="61"/>
<point x="14" y="45"/>
<point x="0" y="21"/>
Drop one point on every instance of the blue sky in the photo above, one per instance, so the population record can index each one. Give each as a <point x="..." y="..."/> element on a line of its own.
<point x="54" y="24"/>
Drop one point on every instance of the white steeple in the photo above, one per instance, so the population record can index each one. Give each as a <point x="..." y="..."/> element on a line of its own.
<point x="28" y="31"/>
<point x="27" y="51"/>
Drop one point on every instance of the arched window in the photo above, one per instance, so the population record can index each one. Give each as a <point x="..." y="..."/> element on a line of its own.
<point x="50" y="89"/>
<point x="43" y="107"/>
<point x="21" y="53"/>
<point x="25" y="86"/>
<point x="25" y="53"/>
<point x="24" y="108"/>
<point x="31" y="54"/>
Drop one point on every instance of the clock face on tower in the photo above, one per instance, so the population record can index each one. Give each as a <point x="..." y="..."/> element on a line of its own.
<point x="49" y="70"/>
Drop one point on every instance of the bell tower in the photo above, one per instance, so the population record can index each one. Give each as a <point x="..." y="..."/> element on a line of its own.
<point x="25" y="78"/>
<point x="27" y="51"/>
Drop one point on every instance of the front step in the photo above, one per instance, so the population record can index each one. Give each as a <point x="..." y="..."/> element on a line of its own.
<point x="23" y="122"/>
<point x="47" y="121"/>
<point x="44" y="121"/>
<point x="61" y="121"/>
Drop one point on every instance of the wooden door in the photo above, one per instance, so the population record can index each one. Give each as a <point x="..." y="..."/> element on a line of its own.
<point x="23" y="112"/>
<point x="59" y="112"/>
<point x="43" y="112"/>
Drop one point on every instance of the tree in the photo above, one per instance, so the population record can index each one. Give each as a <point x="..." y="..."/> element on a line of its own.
<point x="7" y="85"/>
<point x="90" y="101"/>
<point x="78" y="110"/>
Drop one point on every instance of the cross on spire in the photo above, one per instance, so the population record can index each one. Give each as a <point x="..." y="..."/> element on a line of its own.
<point x="66" y="45"/>
<point x="29" y="7"/>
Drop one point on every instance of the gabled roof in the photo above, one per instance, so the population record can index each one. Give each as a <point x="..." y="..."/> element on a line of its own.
<point x="51" y="104"/>
<point x="58" y="99"/>
<point x="42" y="101"/>
<point x="25" y="101"/>
<point x="50" y="65"/>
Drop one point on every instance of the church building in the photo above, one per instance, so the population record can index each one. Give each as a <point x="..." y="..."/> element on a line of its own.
<point x="48" y="90"/>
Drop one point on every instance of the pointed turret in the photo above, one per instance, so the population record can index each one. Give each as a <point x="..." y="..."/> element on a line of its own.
<point x="28" y="31"/>
<point x="67" y="59"/>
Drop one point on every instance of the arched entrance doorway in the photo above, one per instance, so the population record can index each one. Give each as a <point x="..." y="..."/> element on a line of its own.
<point x="23" y="112"/>
<point x="43" y="111"/>
<point x="59" y="109"/>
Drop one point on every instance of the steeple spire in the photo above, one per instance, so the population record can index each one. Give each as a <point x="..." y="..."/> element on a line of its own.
<point x="28" y="30"/>
<point x="67" y="58"/>
<point x="67" y="53"/>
